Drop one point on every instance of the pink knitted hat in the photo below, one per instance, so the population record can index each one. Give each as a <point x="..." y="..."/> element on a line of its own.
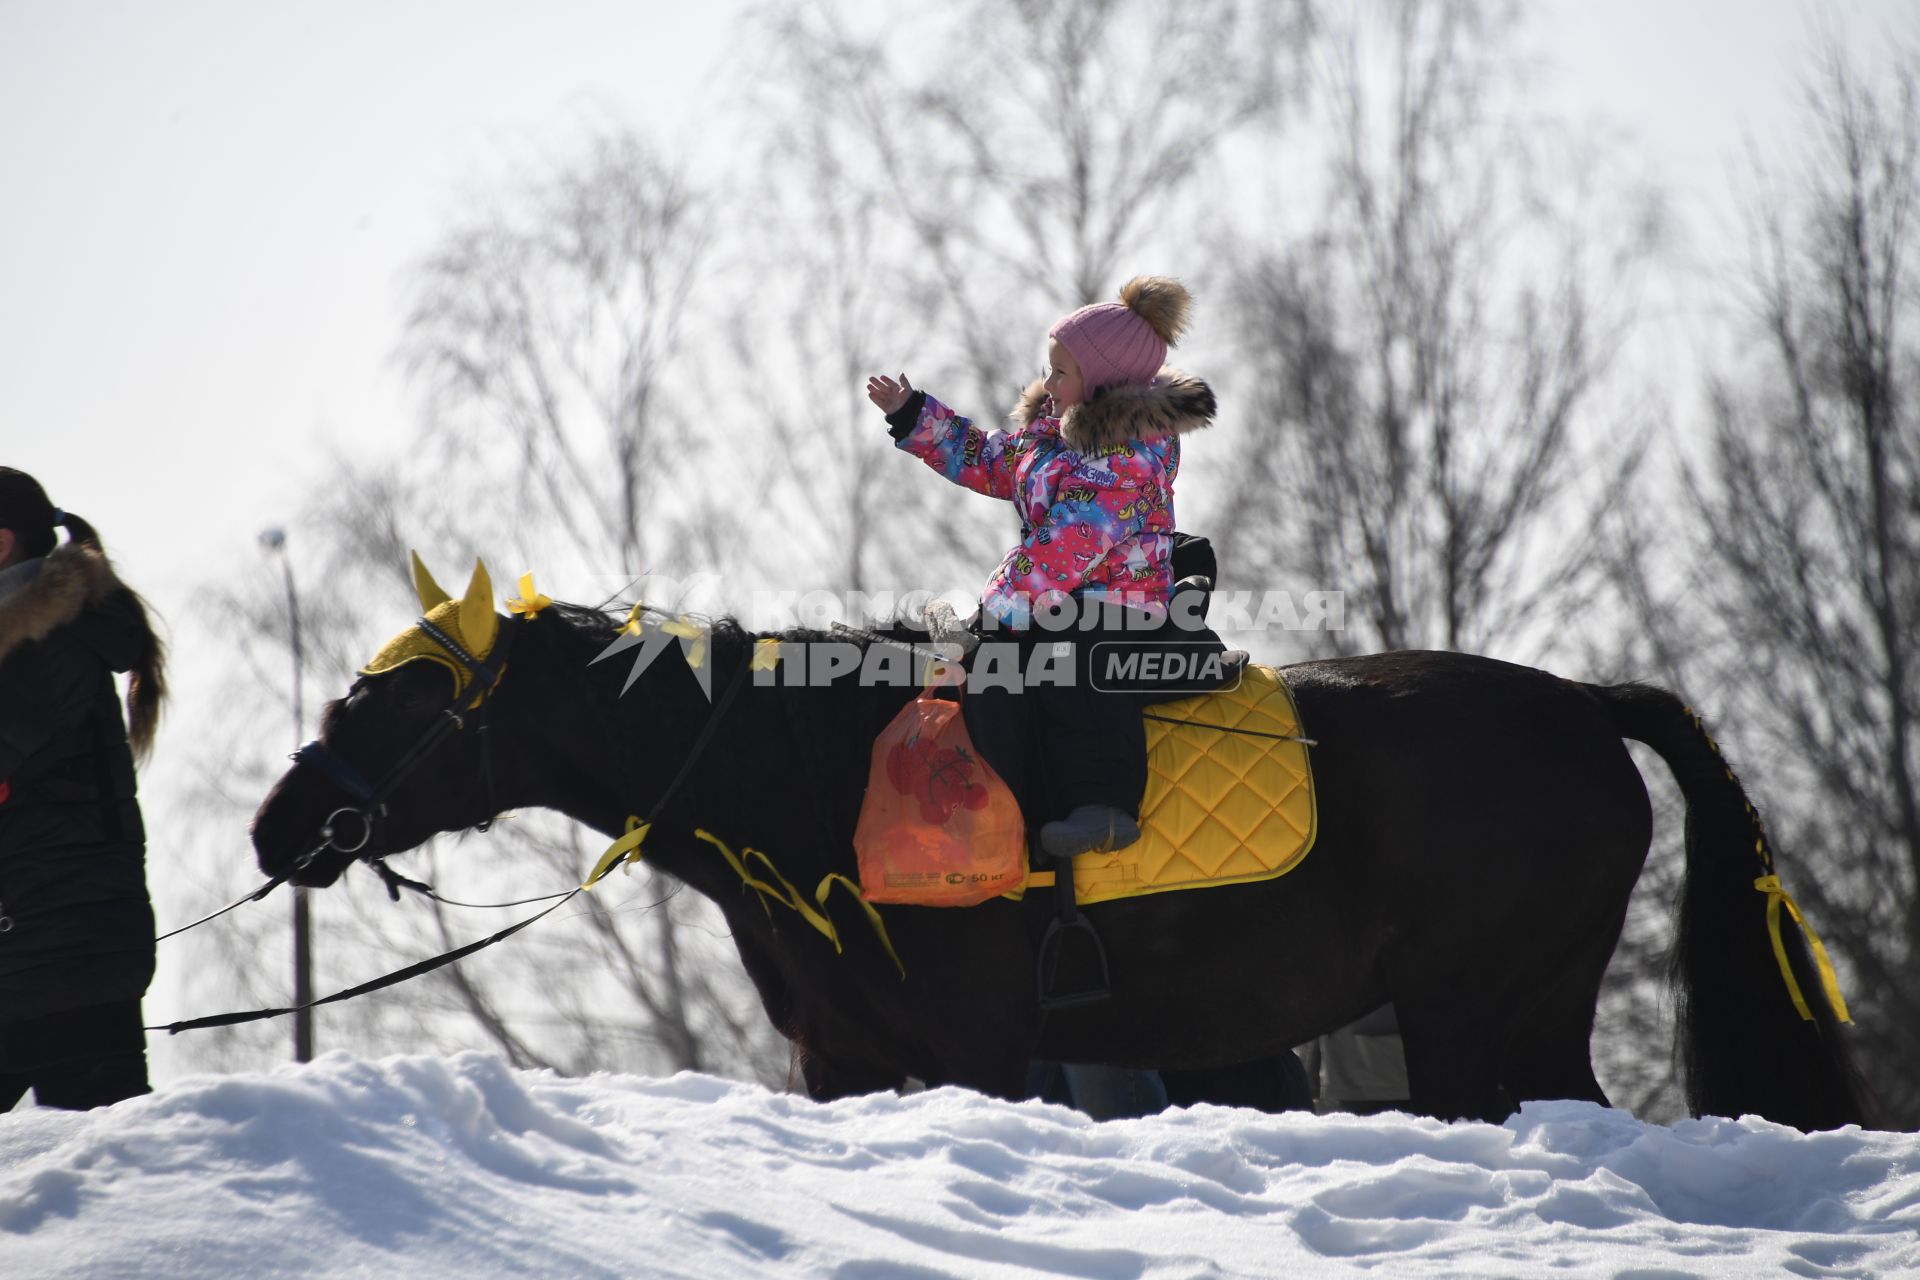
<point x="1126" y="341"/>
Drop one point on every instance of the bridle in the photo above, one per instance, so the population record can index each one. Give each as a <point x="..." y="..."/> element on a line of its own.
<point x="369" y="805"/>
<point x="368" y="800"/>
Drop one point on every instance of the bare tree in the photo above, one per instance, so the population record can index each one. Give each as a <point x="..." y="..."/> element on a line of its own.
<point x="1802" y="608"/>
<point x="1042" y="150"/>
<point x="933" y="213"/>
<point x="1425" y="357"/>
<point x="823" y="307"/>
<point x="547" y="333"/>
<point x="1429" y="422"/>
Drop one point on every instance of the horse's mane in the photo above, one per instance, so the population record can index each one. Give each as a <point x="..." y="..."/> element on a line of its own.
<point x="725" y="632"/>
<point x="815" y="737"/>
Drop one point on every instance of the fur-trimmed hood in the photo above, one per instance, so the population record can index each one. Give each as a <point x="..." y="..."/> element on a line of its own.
<point x="71" y="578"/>
<point x="1174" y="404"/>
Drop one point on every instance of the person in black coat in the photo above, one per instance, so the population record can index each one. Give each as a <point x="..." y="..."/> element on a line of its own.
<point x="76" y="925"/>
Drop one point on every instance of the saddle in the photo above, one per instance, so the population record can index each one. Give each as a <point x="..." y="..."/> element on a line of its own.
<point x="1229" y="797"/>
<point x="1228" y="794"/>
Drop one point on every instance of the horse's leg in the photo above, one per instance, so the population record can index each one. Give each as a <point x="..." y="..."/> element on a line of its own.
<point x="1553" y="1057"/>
<point x="986" y="1047"/>
<point x="1511" y="1027"/>
<point x="1007" y="1081"/>
<point x="1451" y="1046"/>
<point x="1511" y="1021"/>
<point x="1550" y="1051"/>
<point x="828" y="1078"/>
<point x="1455" y="985"/>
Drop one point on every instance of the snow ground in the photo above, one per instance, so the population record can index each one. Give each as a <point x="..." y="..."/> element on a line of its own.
<point x="463" y="1167"/>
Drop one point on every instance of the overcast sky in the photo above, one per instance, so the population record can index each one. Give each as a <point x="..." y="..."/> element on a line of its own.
<point x="207" y="207"/>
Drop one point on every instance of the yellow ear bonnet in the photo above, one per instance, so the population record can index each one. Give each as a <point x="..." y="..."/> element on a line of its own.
<point x="479" y="624"/>
<point x="424" y="586"/>
<point x="469" y="622"/>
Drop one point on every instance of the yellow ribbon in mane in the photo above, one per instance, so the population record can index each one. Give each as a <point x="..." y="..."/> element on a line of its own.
<point x="679" y="626"/>
<point x="691" y="632"/>
<point x="529" y="601"/>
<point x="1778" y="897"/>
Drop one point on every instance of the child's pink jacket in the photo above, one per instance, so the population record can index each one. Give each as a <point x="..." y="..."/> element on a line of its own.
<point x="1093" y="487"/>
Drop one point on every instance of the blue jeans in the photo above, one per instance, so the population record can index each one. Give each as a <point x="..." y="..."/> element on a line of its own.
<point x="1103" y="1093"/>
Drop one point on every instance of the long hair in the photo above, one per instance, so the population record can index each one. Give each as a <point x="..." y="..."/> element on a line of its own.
<point x="147" y="683"/>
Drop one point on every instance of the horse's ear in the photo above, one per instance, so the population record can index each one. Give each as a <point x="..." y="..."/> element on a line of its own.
<point x="479" y="624"/>
<point x="423" y="584"/>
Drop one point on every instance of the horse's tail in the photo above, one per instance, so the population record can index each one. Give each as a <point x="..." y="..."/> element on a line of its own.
<point x="1758" y="1022"/>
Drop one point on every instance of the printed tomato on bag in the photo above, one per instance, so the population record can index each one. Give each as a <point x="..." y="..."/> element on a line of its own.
<point x="938" y="827"/>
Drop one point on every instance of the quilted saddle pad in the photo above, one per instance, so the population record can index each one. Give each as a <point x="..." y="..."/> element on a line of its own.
<point x="1220" y="807"/>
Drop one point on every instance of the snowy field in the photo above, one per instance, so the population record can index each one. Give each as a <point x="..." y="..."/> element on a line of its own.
<point x="463" y="1167"/>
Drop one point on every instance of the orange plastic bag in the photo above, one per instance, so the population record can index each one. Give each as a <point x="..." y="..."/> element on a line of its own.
<point x="938" y="828"/>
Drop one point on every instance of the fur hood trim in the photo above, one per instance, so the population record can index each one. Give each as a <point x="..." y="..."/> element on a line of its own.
<point x="72" y="577"/>
<point x="1174" y="404"/>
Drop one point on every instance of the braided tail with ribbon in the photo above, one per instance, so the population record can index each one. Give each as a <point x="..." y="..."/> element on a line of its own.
<point x="1750" y="1036"/>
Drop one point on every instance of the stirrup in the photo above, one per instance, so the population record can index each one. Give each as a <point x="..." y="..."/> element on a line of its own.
<point x="1068" y="920"/>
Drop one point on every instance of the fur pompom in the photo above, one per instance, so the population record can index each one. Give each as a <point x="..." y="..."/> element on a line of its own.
<point x="1162" y="302"/>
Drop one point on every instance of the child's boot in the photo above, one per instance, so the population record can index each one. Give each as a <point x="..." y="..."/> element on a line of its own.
<point x="1088" y="829"/>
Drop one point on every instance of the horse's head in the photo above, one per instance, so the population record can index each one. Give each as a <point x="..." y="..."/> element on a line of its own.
<point x="404" y="755"/>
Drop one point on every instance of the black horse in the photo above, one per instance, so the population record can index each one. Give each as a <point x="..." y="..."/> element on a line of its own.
<point x="1481" y="826"/>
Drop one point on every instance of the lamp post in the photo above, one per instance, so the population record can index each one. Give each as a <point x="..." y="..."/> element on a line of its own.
<point x="275" y="542"/>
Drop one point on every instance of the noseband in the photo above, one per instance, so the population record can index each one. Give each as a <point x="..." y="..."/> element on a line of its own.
<point x="350" y="828"/>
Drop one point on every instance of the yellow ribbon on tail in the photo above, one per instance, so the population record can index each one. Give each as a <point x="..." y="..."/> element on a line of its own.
<point x="1778" y="897"/>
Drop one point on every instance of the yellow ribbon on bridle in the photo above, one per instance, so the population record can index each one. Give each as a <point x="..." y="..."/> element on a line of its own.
<point x="1777" y="897"/>
<point x="627" y="850"/>
<point x="788" y="896"/>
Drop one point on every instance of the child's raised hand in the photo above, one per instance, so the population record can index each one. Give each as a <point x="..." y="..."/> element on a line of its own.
<point x="888" y="394"/>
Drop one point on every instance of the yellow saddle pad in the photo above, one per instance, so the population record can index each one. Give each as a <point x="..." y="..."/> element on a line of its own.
<point x="1220" y="807"/>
